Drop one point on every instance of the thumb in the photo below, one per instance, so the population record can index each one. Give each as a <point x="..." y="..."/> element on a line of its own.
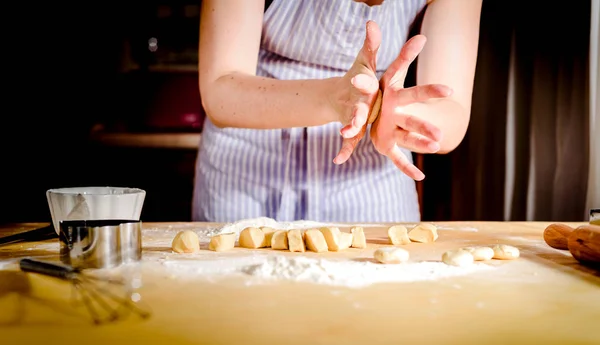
<point x="368" y="53"/>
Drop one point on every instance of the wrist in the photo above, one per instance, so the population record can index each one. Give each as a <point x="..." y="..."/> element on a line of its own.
<point x="333" y="98"/>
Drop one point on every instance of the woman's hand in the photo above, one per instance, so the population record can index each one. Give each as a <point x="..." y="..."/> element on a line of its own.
<point x="395" y="128"/>
<point x="357" y="91"/>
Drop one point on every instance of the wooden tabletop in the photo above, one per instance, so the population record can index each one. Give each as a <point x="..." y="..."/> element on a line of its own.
<point x="544" y="297"/>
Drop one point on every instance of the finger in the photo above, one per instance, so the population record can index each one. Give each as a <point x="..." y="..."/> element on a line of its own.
<point x="418" y="125"/>
<point x="348" y="146"/>
<point x="416" y="142"/>
<point x="365" y="84"/>
<point x="422" y="93"/>
<point x="396" y="72"/>
<point x="368" y="53"/>
<point x="359" y="119"/>
<point x="402" y="163"/>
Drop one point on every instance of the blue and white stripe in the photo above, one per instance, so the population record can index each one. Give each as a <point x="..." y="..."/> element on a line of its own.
<point x="288" y="174"/>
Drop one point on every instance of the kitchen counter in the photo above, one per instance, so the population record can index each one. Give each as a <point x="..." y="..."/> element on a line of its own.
<point x="544" y="297"/>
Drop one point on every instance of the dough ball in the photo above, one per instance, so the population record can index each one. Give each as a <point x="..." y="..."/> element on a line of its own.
<point x="398" y="235"/>
<point x="268" y="231"/>
<point x="480" y="253"/>
<point x="457" y="258"/>
<point x="295" y="239"/>
<point x="186" y="242"/>
<point x="332" y="237"/>
<point x="376" y="110"/>
<point x="336" y="239"/>
<point x="279" y="240"/>
<point x="315" y="241"/>
<point x="391" y="255"/>
<point x="505" y="252"/>
<point x="423" y="233"/>
<point x="222" y="242"/>
<point x="345" y="240"/>
<point x="252" y="238"/>
<point x="358" y="237"/>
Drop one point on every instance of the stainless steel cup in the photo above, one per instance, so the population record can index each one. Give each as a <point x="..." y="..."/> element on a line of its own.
<point x="98" y="227"/>
<point x="100" y="243"/>
<point x="94" y="203"/>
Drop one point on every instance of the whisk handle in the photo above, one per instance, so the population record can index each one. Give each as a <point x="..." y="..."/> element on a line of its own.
<point x="47" y="268"/>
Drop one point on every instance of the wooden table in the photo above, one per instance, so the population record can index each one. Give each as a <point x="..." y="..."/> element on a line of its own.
<point x="544" y="297"/>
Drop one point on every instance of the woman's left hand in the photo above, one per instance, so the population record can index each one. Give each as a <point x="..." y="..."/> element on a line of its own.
<point x="395" y="128"/>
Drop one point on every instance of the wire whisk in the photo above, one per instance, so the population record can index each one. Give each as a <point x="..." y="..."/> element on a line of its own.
<point x="94" y="292"/>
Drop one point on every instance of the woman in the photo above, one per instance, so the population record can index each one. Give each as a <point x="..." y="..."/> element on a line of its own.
<point x="288" y="92"/>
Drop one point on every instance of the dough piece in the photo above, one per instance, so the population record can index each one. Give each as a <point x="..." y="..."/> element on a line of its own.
<point x="268" y="235"/>
<point x="222" y="242"/>
<point x="398" y="235"/>
<point x="185" y="242"/>
<point x="376" y="110"/>
<point x="358" y="237"/>
<point x="423" y="233"/>
<point x="252" y="238"/>
<point x="505" y="252"/>
<point x="315" y="241"/>
<point x="457" y="258"/>
<point x="480" y="253"/>
<point x="279" y="241"/>
<point x="345" y="240"/>
<point x="391" y="255"/>
<point x="295" y="240"/>
<point x="332" y="237"/>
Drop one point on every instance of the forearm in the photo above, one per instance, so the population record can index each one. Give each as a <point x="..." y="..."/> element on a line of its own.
<point x="246" y="101"/>
<point x="446" y="114"/>
<point x="449" y="58"/>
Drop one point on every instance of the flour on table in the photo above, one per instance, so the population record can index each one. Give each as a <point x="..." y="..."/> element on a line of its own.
<point x="456" y="228"/>
<point x="343" y="272"/>
<point x="352" y="273"/>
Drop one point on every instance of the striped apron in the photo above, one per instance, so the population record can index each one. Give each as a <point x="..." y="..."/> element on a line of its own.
<point x="288" y="174"/>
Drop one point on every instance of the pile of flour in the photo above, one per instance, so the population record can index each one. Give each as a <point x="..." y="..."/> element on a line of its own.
<point x="353" y="273"/>
<point x="350" y="273"/>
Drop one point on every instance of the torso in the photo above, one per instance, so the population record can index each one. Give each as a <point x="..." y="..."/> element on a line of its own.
<point x="289" y="174"/>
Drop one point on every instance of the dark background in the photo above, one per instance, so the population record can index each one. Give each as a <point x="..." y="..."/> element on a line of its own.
<point x="73" y="72"/>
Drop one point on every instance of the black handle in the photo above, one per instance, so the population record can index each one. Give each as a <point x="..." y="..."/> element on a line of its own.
<point x="40" y="234"/>
<point x="47" y="268"/>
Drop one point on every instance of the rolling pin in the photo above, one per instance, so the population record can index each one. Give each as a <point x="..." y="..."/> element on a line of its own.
<point x="583" y="242"/>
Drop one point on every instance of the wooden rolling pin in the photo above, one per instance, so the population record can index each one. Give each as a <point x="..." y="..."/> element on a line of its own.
<point x="583" y="242"/>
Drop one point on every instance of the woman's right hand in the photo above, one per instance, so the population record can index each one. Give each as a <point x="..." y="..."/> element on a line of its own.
<point x="356" y="93"/>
